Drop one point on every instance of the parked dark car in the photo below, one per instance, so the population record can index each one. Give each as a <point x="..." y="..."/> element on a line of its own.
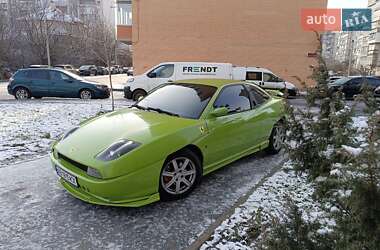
<point x="352" y="86"/>
<point x="38" y="83"/>
<point x="88" y="70"/>
<point x="68" y="67"/>
<point x="102" y="70"/>
<point x="377" y="92"/>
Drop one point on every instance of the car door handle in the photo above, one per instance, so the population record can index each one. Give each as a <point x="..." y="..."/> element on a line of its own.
<point x="170" y="81"/>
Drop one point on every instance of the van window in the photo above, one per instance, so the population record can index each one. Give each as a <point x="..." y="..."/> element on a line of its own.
<point x="254" y="76"/>
<point x="270" y="78"/>
<point x="235" y="98"/>
<point x="163" y="71"/>
<point x="39" y="74"/>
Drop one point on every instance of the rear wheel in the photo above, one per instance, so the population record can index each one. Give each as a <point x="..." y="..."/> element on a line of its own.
<point x="137" y="94"/>
<point x="22" y="94"/>
<point x="85" y="94"/>
<point x="277" y="138"/>
<point x="179" y="175"/>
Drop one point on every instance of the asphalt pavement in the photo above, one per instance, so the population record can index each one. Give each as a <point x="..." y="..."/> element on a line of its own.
<point x="37" y="213"/>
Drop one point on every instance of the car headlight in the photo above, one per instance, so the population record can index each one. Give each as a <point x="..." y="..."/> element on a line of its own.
<point x="131" y="80"/>
<point x="69" y="133"/>
<point x="117" y="149"/>
<point x="100" y="87"/>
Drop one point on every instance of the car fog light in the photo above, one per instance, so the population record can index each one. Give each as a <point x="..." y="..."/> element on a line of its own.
<point x="94" y="173"/>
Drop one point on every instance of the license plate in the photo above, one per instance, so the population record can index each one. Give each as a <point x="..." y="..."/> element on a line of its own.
<point x="66" y="176"/>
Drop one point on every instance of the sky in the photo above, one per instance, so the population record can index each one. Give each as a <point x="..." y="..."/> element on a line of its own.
<point x="348" y="3"/>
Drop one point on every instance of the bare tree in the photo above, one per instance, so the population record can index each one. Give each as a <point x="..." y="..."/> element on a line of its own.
<point x="102" y="41"/>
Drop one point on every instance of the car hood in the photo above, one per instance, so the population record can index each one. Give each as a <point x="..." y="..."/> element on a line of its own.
<point x="95" y="135"/>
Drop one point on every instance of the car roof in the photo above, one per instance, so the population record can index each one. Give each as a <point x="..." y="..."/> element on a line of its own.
<point x="210" y="82"/>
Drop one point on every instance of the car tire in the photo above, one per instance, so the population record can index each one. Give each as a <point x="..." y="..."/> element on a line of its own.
<point x="137" y="94"/>
<point x="276" y="138"/>
<point x="86" y="94"/>
<point x="176" y="180"/>
<point x="22" y="93"/>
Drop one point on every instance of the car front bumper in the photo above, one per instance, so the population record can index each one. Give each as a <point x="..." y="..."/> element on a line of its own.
<point x="132" y="190"/>
<point x="128" y="92"/>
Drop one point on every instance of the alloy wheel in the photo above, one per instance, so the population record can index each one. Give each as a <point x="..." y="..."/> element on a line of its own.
<point x="85" y="94"/>
<point x="22" y="94"/>
<point x="278" y="137"/>
<point x="178" y="175"/>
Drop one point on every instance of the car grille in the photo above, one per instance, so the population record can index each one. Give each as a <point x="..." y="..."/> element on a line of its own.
<point x="72" y="162"/>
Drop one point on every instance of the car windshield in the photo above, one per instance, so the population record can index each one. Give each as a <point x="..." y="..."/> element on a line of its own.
<point x="341" y="81"/>
<point x="184" y="100"/>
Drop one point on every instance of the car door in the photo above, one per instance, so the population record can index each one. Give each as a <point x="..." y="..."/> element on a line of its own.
<point x="160" y="75"/>
<point x="271" y="81"/>
<point x="255" y="77"/>
<point x="40" y="82"/>
<point x="260" y="120"/>
<point x="62" y="85"/>
<point x="352" y="87"/>
<point x="226" y="134"/>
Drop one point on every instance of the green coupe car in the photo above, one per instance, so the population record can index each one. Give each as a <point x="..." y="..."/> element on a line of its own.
<point x="161" y="147"/>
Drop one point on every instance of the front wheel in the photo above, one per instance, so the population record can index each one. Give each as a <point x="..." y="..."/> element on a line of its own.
<point x="277" y="138"/>
<point x="85" y="94"/>
<point x="179" y="175"/>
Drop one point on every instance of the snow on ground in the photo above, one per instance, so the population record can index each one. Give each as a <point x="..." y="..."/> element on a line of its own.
<point x="269" y="201"/>
<point x="28" y="128"/>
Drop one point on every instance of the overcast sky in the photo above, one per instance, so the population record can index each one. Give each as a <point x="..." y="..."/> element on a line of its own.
<point x="348" y="3"/>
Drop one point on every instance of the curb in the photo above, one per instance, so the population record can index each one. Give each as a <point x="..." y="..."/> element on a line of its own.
<point x="210" y="230"/>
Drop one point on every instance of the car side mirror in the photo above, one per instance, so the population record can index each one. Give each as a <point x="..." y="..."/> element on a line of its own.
<point x="69" y="80"/>
<point x="152" y="75"/>
<point x="218" y="112"/>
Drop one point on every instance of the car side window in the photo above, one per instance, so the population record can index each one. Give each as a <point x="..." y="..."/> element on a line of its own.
<point x="373" y="82"/>
<point x="163" y="71"/>
<point x="235" y="98"/>
<point x="39" y="74"/>
<point x="355" y="81"/>
<point x="258" y="97"/>
<point x="254" y="76"/>
<point x="56" y="75"/>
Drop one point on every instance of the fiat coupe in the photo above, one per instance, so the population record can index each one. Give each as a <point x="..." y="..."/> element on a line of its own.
<point x="162" y="146"/>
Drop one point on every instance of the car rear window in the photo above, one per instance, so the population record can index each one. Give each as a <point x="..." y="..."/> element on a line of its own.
<point x="21" y="74"/>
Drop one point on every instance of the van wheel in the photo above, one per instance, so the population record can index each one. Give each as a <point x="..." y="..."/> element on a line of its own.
<point x="85" y="94"/>
<point x="22" y="93"/>
<point x="180" y="174"/>
<point x="137" y="94"/>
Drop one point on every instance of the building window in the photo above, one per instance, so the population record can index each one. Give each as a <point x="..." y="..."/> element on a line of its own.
<point x="124" y="13"/>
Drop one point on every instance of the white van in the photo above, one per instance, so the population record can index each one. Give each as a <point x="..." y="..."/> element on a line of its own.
<point x="166" y="72"/>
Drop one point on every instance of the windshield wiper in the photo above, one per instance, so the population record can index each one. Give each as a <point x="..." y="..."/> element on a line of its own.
<point x="161" y="111"/>
<point x="138" y="107"/>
